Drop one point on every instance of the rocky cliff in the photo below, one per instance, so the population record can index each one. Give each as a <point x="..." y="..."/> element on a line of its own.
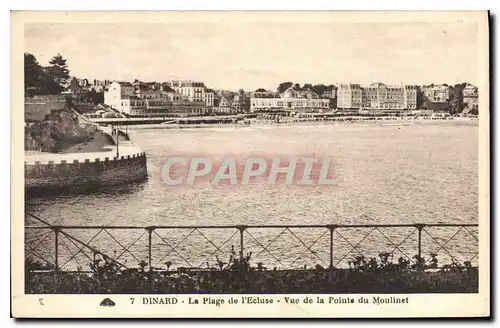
<point x="59" y="130"/>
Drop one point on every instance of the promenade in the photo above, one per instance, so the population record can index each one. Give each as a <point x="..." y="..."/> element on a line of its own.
<point x="101" y="147"/>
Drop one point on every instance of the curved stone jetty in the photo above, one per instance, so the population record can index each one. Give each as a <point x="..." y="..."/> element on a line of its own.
<point x="46" y="172"/>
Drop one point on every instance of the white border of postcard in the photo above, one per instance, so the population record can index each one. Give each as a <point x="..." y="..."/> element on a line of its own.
<point x="419" y="305"/>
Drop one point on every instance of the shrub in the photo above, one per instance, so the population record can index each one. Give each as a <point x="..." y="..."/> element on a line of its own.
<point x="238" y="275"/>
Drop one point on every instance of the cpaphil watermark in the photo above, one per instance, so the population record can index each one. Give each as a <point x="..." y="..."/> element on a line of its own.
<point x="303" y="171"/>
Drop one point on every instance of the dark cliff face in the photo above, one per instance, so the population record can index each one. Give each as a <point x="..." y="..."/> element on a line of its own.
<point x="60" y="129"/>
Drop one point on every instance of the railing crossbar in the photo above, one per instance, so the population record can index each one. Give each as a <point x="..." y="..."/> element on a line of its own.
<point x="217" y="249"/>
<point x="73" y="256"/>
<point x="310" y="250"/>
<point x="173" y="249"/>
<point x="80" y="249"/>
<point x="126" y="249"/>
<point x="317" y="226"/>
<point x="92" y="249"/>
<point x="353" y="247"/>
<point x="470" y="233"/>
<point x="477" y="253"/>
<point x="442" y="246"/>
<point x="396" y="246"/>
<point x="404" y="240"/>
<point x="31" y="251"/>
<point x="309" y="247"/>
<point x="307" y="253"/>
<point x="40" y="242"/>
<point x="265" y="248"/>
<point x="260" y="244"/>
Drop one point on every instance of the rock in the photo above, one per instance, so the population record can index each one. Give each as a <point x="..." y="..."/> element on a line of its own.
<point x="60" y="129"/>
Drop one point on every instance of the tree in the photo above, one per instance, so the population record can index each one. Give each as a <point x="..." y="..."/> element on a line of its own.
<point x="261" y="90"/>
<point x="37" y="81"/>
<point x="296" y="87"/>
<point x="283" y="86"/>
<point x="456" y="98"/>
<point x="420" y="98"/>
<point x="32" y="72"/>
<point x="319" y="89"/>
<point x="48" y="86"/>
<point x="167" y="88"/>
<point x="96" y="97"/>
<point x="307" y="87"/>
<point x="58" y="70"/>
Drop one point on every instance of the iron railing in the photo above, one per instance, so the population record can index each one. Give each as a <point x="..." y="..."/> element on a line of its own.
<point x="64" y="248"/>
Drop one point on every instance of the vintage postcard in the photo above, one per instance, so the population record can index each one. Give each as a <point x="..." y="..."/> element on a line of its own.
<point x="250" y="164"/>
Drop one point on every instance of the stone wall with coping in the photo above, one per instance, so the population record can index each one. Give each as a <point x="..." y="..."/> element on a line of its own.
<point x="36" y="109"/>
<point x="89" y="173"/>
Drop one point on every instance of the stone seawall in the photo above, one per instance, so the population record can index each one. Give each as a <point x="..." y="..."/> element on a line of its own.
<point x="89" y="174"/>
<point x="35" y="109"/>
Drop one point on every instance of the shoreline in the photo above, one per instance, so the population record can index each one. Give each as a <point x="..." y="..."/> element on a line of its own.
<point x="270" y="123"/>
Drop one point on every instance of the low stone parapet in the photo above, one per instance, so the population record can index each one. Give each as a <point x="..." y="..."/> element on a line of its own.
<point x="93" y="173"/>
<point x="68" y="171"/>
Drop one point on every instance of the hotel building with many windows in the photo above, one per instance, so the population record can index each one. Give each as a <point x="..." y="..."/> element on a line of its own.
<point x="124" y="97"/>
<point x="291" y="100"/>
<point x="377" y="96"/>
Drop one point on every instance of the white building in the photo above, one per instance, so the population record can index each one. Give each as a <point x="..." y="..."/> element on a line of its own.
<point x="349" y="96"/>
<point x="411" y="92"/>
<point x="290" y="100"/>
<point x="124" y="97"/>
<point x="377" y="96"/>
<point x="208" y="96"/>
<point x="194" y="91"/>
<point x="470" y="91"/>
<point x="116" y="95"/>
<point x="470" y="96"/>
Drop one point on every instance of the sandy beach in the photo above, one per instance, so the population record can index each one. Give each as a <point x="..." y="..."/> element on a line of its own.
<point x="269" y="123"/>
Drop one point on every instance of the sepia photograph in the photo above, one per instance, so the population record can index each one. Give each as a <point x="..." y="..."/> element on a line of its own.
<point x="219" y="160"/>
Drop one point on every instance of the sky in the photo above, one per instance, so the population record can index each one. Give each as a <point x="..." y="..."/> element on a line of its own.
<point x="232" y="55"/>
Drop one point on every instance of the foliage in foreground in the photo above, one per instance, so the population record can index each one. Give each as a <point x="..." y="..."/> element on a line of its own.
<point x="237" y="275"/>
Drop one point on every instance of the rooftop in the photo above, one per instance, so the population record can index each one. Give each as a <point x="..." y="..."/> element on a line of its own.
<point x="124" y="83"/>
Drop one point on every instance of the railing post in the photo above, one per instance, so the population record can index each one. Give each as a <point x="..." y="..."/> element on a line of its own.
<point x="150" y="237"/>
<point x="331" y="228"/>
<point x="419" y="228"/>
<point x="242" y="231"/>
<point x="94" y="254"/>
<point x="56" y="249"/>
